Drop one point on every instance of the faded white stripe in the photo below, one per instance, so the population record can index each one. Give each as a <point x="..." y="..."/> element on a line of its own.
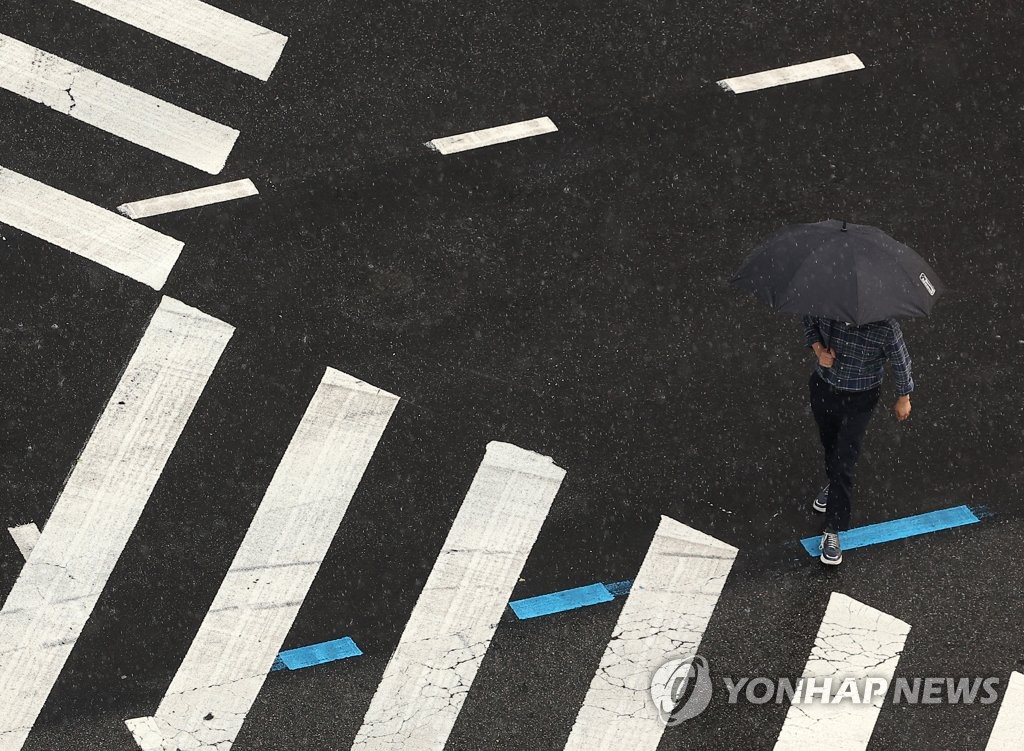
<point x="189" y="199"/>
<point x="25" y="537"/>
<point x="114" y="107"/>
<point x="99" y="507"/>
<point x="430" y="673"/>
<point x="86" y="229"/>
<point x="270" y="576"/>
<point x="1008" y="733"/>
<point x="202" y="28"/>
<point x="792" y="73"/>
<point x="854" y="641"/>
<point x="501" y="134"/>
<point x="669" y="606"/>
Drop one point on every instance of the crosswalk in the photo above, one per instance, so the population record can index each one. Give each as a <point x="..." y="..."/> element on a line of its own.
<point x="431" y="672"/>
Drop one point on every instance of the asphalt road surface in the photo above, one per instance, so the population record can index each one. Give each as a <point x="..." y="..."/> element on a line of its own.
<point x="566" y="293"/>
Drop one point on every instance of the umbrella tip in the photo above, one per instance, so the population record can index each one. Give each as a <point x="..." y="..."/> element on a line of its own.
<point x="844" y="226"/>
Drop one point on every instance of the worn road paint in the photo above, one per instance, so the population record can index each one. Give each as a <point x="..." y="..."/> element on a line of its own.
<point x="921" y="524"/>
<point x="854" y="641"/>
<point x="317" y="654"/>
<point x="201" y="28"/>
<point x="792" y="73"/>
<point x="1008" y="733"/>
<point x="114" y="107"/>
<point x="664" y="617"/>
<point x="559" y="602"/>
<point x="99" y="507"/>
<point x="25" y="537"/>
<point x="619" y="589"/>
<point x="490" y="136"/>
<point x="87" y="230"/>
<point x="241" y="635"/>
<point x="189" y="199"/>
<point x="431" y="671"/>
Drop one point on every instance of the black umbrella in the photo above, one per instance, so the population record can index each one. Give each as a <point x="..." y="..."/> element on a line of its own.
<point x="847" y="272"/>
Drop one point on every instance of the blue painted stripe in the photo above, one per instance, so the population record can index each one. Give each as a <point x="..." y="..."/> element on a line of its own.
<point x="557" y="602"/>
<point x="316" y="654"/>
<point x="897" y="529"/>
<point x="620" y="589"/>
<point x="531" y="607"/>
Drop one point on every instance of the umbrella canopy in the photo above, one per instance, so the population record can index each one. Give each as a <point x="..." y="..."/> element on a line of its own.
<point x="847" y="272"/>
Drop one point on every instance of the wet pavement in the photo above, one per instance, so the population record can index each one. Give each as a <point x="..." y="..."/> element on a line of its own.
<point x="565" y="293"/>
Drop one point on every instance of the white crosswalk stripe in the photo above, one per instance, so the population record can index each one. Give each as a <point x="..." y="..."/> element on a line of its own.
<point x="114" y="107"/>
<point x="854" y="642"/>
<point x="45" y="612"/>
<point x="1008" y="733"/>
<point x="222" y="674"/>
<point x="669" y="606"/>
<point x="86" y="229"/>
<point x="202" y="28"/>
<point x="432" y="669"/>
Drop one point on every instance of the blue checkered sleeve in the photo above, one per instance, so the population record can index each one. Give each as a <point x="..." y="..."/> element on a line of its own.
<point x="811" y="332"/>
<point x="899" y="360"/>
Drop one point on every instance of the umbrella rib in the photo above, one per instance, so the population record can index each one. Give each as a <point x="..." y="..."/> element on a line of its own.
<point x="858" y="290"/>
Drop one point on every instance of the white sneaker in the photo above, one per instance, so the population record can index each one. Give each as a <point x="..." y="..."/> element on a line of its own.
<point x="831" y="553"/>
<point x="821" y="501"/>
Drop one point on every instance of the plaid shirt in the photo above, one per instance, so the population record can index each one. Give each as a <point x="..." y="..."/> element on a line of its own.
<point x="861" y="353"/>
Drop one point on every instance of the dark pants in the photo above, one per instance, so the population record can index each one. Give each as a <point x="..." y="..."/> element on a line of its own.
<point x="842" y="418"/>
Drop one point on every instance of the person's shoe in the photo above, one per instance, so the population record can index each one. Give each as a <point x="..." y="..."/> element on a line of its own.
<point x="831" y="553"/>
<point x="821" y="501"/>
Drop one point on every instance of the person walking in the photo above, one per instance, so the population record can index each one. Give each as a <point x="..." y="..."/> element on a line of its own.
<point x="844" y="389"/>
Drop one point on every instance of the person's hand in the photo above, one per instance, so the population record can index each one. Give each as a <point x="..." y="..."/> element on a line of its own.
<point x="827" y="358"/>
<point x="902" y="408"/>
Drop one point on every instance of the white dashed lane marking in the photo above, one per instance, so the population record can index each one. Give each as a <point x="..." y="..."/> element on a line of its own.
<point x="792" y="73"/>
<point x="189" y="199"/>
<point x="490" y="136"/>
